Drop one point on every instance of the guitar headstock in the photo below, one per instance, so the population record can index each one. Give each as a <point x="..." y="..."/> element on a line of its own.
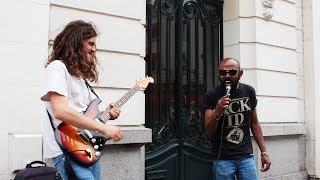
<point x="143" y="83"/>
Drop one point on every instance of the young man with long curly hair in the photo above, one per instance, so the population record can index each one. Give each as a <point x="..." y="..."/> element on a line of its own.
<point x="67" y="95"/>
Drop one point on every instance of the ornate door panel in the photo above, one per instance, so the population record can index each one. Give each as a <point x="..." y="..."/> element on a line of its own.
<point x="184" y="46"/>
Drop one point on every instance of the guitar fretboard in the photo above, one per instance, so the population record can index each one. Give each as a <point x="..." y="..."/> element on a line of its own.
<point x="105" y="115"/>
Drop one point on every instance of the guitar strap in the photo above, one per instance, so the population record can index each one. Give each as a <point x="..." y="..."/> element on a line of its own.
<point x="91" y="89"/>
<point x="50" y="118"/>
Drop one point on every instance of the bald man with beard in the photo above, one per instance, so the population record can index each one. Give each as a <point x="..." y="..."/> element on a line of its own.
<point x="229" y="117"/>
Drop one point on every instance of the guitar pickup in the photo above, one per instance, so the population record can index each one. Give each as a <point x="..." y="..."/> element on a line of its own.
<point x="83" y="137"/>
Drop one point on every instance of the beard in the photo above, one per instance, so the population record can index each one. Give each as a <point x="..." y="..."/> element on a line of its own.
<point x="234" y="84"/>
<point x="90" y="59"/>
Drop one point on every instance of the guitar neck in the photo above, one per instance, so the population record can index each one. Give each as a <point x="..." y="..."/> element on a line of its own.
<point x="105" y="115"/>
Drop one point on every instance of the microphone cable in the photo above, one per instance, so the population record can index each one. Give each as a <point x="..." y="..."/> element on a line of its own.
<point x="219" y="152"/>
<point x="228" y="88"/>
<point x="220" y="147"/>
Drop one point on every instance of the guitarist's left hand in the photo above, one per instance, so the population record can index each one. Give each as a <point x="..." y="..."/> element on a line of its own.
<point x="114" y="111"/>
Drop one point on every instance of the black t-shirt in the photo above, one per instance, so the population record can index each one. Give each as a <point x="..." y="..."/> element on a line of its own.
<point x="236" y="122"/>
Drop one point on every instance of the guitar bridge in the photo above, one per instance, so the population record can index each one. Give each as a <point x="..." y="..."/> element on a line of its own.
<point x="83" y="137"/>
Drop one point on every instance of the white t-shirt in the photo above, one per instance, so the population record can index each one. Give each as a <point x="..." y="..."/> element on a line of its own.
<point x="57" y="79"/>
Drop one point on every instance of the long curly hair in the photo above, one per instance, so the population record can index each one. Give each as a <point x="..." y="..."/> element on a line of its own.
<point x="68" y="47"/>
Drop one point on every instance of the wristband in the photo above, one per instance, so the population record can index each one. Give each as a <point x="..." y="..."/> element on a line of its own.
<point x="215" y="116"/>
<point x="264" y="153"/>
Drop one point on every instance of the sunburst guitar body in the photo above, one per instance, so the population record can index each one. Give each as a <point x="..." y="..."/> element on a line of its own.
<point x="84" y="146"/>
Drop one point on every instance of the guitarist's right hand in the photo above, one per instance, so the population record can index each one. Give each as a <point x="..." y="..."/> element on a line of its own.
<point x="113" y="132"/>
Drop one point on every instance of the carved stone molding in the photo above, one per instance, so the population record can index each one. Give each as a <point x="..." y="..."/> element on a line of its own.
<point x="268" y="9"/>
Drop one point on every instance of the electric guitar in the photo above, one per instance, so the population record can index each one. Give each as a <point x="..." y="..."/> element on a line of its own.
<point x="84" y="146"/>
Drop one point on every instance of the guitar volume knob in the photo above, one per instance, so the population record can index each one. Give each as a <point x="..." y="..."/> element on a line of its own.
<point x="97" y="153"/>
<point x="96" y="147"/>
<point x="93" y="140"/>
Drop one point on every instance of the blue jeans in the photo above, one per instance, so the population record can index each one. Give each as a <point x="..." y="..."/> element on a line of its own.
<point x="243" y="169"/>
<point x="82" y="173"/>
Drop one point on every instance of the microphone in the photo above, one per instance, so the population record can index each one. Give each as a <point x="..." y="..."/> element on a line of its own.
<point x="228" y="88"/>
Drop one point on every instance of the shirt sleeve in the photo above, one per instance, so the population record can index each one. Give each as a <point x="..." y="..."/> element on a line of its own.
<point x="253" y="98"/>
<point x="208" y="101"/>
<point x="55" y="80"/>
